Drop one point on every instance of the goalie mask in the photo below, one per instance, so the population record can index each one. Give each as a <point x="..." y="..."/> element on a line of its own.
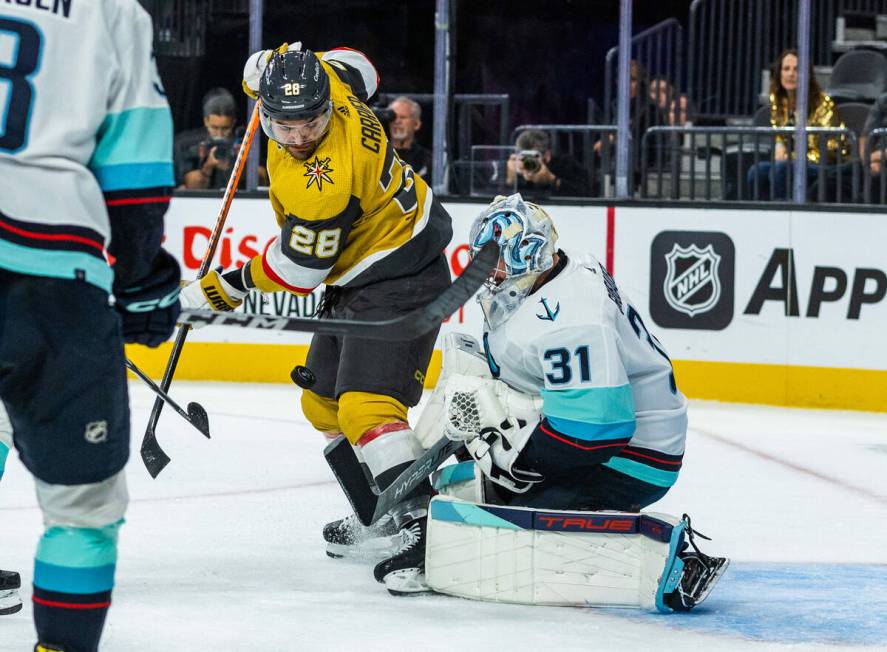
<point x="295" y="93"/>
<point x="527" y="239"/>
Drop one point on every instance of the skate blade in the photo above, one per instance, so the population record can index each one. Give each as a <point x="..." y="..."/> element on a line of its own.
<point x="10" y="603"/>
<point x="406" y="582"/>
<point x="704" y="590"/>
<point x="375" y="549"/>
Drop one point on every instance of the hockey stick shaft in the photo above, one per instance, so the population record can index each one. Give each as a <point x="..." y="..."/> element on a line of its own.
<point x="152" y="455"/>
<point x="200" y="424"/>
<point x="368" y="502"/>
<point x="413" y="324"/>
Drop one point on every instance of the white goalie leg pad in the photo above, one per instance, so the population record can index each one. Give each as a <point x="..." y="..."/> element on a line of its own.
<point x="462" y="354"/>
<point x="527" y="556"/>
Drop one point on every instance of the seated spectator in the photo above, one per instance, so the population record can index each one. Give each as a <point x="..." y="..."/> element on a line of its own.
<point x="877" y="119"/>
<point x="535" y="171"/>
<point x="821" y="112"/>
<point x="407" y="121"/>
<point x="643" y="112"/>
<point x="672" y="104"/>
<point x="203" y="156"/>
<point x="679" y="114"/>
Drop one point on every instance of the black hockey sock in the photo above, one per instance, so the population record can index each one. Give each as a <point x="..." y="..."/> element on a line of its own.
<point x="71" y="621"/>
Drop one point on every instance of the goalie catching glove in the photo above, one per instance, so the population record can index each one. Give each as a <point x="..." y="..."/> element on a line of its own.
<point x="495" y="422"/>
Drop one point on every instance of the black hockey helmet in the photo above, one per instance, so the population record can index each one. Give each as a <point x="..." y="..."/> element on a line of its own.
<point x="294" y="86"/>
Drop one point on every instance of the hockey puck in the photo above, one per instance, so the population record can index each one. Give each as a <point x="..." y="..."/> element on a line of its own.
<point x="303" y="377"/>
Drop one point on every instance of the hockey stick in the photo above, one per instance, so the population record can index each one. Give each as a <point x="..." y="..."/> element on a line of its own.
<point x="415" y="323"/>
<point x="195" y="415"/>
<point x="152" y="455"/>
<point x="368" y="502"/>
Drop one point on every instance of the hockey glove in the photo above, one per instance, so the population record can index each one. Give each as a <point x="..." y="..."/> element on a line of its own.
<point x="149" y="310"/>
<point x="495" y="422"/>
<point x="214" y="292"/>
<point x="495" y="455"/>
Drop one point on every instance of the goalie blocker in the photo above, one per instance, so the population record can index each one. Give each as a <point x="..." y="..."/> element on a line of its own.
<point x="561" y="558"/>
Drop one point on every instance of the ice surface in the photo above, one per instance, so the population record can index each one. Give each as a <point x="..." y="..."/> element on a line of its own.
<point x="223" y="551"/>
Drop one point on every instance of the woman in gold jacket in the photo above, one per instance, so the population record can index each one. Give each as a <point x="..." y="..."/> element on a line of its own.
<point x="821" y="112"/>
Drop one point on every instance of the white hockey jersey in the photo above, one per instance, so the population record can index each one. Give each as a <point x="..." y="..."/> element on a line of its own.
<point x="606" y="382"/>
<point x="84" y="126"/>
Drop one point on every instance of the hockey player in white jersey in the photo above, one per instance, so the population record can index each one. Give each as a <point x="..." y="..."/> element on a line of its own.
<point x="85" y="179"/>
<point x="613" y="424"/>
<point x="580" y="409"/>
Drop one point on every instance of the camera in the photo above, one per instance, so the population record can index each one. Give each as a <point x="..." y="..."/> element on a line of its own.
<point x="530" y="159"/>
<point x="225" y="148"/>
<point x="385" y="115"/>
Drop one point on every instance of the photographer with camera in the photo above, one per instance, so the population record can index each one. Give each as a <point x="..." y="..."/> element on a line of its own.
<point x="533" y="170"/>
<point x="203" y="156"/>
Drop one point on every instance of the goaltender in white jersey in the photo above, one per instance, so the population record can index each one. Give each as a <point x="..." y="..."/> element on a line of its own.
<point x="579" y="413"/>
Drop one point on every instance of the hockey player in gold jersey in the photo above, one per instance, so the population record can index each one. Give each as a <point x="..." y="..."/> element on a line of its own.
<point x="355" y="217"/>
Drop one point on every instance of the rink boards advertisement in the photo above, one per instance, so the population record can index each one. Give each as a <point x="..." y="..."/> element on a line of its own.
<point x="773" y="306"/>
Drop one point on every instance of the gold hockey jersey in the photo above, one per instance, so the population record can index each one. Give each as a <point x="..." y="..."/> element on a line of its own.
<point x="353" y="212"/>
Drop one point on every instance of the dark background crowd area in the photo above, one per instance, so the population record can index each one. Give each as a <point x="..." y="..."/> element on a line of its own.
<point x="548" y="57"/>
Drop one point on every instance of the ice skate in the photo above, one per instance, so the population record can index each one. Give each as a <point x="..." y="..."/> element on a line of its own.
<point x="701" y="573"/>
<point x="404" y="572"/>
<point x="10" y="601"/>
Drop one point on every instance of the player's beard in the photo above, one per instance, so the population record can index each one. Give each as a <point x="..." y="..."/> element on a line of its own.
<point x="301" y="153"/>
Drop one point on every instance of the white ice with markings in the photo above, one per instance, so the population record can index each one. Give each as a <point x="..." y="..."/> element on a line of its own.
<point x="223" y="551"/>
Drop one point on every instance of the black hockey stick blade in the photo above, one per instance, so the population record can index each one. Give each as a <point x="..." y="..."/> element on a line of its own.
<point x="152" y="455"/>
<point x="367" y="501"/>
<point x="195" y="415"/>
<point x="199" y="417"/>
<point x="413" y="324"/>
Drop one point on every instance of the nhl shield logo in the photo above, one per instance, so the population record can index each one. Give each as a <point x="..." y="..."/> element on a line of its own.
<point x="691" y="282"/>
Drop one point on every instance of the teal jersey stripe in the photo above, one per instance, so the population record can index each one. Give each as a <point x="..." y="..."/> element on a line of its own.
<point x="469" y="514"/>
<point x="51" y="577"/>
<point x="75" y="547"/>
<point x="643" y="472"/>
<point x="135" y="136"/>
<point x="132" y="176"/>
<point x="593" y="431"/>
<point x="4" y="452"/>
<point x="56" y="264"/>
<point x="591" y="412"/>
<point x="454" y="474"/>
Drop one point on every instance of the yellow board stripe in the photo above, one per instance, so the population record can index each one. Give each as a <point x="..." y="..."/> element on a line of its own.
<point x="819" y="387"/>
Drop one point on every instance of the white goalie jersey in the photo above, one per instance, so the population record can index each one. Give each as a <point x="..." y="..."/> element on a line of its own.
<point x="606" y="382"/>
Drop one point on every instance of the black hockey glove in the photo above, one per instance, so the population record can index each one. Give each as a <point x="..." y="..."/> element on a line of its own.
<point x="150" y="308"/>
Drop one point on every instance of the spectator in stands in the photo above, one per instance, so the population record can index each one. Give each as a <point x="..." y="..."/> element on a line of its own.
<point x="877" y="119"/>
<point x="821" y="112"/>
<point x="407" y="121"/>
<point x="643" y="112"/>
<point x="203" y="156"/>
<point x="534" y="171"/>
<point x="673" y="105"/>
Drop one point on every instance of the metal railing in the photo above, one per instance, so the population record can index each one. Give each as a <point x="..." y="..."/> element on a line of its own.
<point x="731" y="42"/>
<point x="720" y="163"/>
<point x="590" y="167"/>
<point x="875" y="182"/>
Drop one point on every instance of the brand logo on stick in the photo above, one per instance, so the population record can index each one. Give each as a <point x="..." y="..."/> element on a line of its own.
<point x="692" y="279"/>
